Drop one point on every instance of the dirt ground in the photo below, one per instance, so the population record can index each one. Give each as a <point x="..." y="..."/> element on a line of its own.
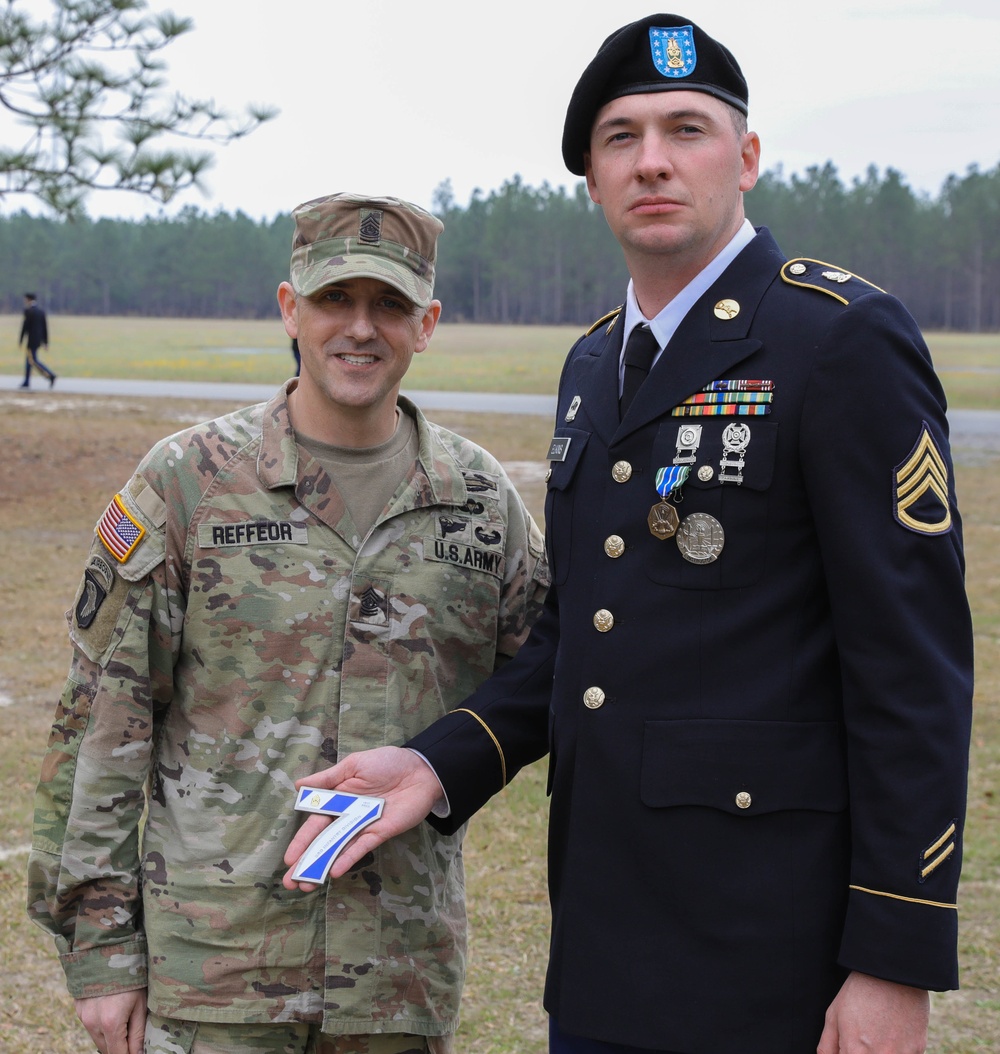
<point x="64" y="457"/>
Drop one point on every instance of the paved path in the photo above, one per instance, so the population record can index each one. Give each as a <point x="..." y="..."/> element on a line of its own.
<point x="480" y="402"/>
<point x="973" y="431"/>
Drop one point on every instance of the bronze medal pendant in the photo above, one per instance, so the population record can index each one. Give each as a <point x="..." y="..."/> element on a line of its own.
<point x="700" y="538"/>
<point x="663" y="520"/>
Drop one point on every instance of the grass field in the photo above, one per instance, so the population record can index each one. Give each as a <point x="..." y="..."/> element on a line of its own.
<point x="523" y="359"/>
<point x="65" y="455"/>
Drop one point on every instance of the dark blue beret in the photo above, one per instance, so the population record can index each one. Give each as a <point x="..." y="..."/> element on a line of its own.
<point x="658" y="53"/>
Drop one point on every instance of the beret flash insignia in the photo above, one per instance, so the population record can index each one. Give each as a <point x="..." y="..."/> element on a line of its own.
<point x="673" y="51"/>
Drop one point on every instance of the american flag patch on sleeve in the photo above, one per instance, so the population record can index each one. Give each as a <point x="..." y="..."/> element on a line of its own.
<point x="119" y="532"/>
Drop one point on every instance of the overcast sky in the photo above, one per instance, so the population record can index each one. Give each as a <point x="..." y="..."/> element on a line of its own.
<point x="395" y="96"/>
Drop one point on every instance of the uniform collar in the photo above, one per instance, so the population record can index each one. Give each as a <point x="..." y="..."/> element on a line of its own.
<point x="665" y="324"/>
<point x="437" y="479"/>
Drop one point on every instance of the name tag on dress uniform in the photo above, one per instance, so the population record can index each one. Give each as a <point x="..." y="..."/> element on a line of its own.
<point x="558" y="448"/>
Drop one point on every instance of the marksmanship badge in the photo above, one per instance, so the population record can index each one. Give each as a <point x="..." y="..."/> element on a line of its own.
<point x="673" y="51"/>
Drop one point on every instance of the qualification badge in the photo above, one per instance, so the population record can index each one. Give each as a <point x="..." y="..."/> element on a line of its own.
<point x="663" y="518"/>
<point x="354" y="813"/>
<point x="735" y="440"/>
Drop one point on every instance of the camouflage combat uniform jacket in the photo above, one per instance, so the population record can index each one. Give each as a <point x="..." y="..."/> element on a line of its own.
<point x="248" y="637"/>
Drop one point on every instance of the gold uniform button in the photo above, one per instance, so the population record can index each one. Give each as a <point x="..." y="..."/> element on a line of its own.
<point x="621" y="472"/>
<point x="705" y="473"/>
<point x="604" y="620"/>
<point x="743" y="800"/>
<point x="593" y="698"/>
<point x="548" y="475"/>
<point x="614" y="546"/>
<point x="727" y="309"/>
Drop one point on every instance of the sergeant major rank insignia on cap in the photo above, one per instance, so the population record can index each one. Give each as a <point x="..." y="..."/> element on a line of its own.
<point x="370" y="230"/>
<point x="673" y="50"/>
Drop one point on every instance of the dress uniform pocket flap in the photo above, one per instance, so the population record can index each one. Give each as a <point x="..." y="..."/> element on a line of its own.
<point x="744" y="767"/>
<point x="564" y="455"/>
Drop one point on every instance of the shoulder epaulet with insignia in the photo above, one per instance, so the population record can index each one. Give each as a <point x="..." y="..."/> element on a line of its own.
<point x="815" y="274"/>
<point x="611" y="318"/>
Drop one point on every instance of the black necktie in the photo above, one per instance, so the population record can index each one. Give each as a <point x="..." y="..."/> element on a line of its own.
<point x="639" y="353"/>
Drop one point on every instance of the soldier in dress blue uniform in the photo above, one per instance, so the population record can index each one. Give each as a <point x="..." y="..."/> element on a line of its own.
<point x="754" y="672"/>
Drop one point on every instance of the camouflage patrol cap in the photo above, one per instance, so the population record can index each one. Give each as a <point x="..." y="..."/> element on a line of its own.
<point x="657" y="53"/>
<point x="344" y="236"/>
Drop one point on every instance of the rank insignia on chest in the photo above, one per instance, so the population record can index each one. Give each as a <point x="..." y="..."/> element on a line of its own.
<point x="119" y="531"/>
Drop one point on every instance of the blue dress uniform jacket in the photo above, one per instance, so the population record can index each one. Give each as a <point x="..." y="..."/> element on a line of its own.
<point x="758" y="771"/>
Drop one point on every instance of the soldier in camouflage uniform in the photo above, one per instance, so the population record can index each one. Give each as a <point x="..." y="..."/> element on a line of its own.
<point x="270" y="591"/>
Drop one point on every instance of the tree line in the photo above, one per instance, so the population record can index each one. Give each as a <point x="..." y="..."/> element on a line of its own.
<point x="523" y="254"/>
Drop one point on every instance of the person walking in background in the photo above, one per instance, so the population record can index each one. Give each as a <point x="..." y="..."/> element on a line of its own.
<point x="270" y="591"/>
<point x="34" y="331"/>
<point x="753" y="674"/>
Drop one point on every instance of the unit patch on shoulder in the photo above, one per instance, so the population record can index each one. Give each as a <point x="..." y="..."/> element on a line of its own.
<point x="825" y="278"/>
<point x="119" y="532"/>
<point x="98" y="582"/>
<point x="920" y="488"/>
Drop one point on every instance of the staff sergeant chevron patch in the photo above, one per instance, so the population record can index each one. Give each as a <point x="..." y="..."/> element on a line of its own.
<point x="920" y="488"/>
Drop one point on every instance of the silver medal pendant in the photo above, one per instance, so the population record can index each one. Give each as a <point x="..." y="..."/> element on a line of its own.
<point x="700" y="538"/>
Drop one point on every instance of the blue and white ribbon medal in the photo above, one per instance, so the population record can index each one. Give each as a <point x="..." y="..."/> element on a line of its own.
<point x="354" y="811"/>
<point x="663" y="518"/>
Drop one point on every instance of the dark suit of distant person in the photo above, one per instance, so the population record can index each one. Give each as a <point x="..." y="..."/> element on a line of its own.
<point x="35" y="332"/>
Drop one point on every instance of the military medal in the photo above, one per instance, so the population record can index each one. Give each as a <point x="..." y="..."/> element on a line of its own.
<point x="735" y="440"/>
<point x="700" y="538"/>
<point x="663" y="518"/>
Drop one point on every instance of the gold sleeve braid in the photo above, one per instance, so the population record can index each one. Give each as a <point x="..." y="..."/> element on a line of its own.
<point x="909" y="900"/>
<point x="496" y="742"/>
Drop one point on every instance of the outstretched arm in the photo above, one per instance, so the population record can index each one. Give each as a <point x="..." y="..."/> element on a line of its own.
<point x="401" y="777"/>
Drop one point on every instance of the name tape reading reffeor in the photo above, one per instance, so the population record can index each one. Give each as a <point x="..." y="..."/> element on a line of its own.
<point x="354" y="811"/>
